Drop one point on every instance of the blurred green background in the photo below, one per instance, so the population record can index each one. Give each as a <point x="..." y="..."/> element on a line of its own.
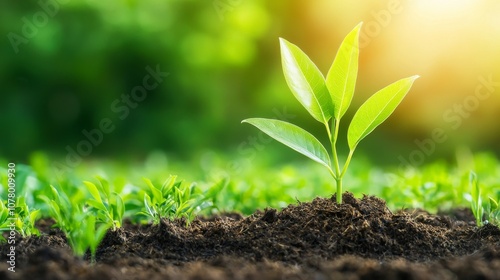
<point x="65" y="66"/>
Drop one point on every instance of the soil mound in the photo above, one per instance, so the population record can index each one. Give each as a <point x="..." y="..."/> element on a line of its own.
<point x="358" y="239"/>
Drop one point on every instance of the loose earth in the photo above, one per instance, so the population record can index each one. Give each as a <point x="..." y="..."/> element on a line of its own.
<point x="359" y="239"/>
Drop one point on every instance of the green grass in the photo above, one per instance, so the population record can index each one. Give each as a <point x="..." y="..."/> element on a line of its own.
<point x="105" y="193"/>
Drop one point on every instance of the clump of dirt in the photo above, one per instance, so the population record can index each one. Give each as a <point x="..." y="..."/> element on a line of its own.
<point x="321" y="239"/>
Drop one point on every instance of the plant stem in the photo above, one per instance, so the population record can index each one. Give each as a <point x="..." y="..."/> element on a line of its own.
<point x="338" y="180"/>
<point x="337" y="175"/>
<point x="339" y="190"/>
<point x="334" y="174"/>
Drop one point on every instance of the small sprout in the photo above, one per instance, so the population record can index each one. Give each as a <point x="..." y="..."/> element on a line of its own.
<point x="26" y="218"/>
<point x="327" y="100"/>
<point x="475" y="199"/>
<point x="81" y="227"/>
<point x="107" y="205"/>
<point x="493" y="211"/>
<point x="87" y="236"/>
<point x="4" y="221"/>
<point x="175" y="200"/>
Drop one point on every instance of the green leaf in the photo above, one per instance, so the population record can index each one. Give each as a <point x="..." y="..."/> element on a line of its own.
<point x="493" y="203"/>
<point x="34" y="216"/>
<point x="97" y="205"/>
<point x="149" y="207"/>
<point x="98" y="236"/>
<point x="104" y="186"/>
<point x="341" y="78"/>
<point x="93" y="191"/>
<point x="120" y="206"/>
<point x="167" y="186"/>
<point x="4" y="212"/>
<point x="55" y="193"/>
<point x="476" y="191"/>
<point x="306" y="81"/>
<point x="157" y="195"/>
<point x="293" y="137"/>
<point x="89" y="228"/>
<point x="56" y="211"/>
<point x="377" y="109"/>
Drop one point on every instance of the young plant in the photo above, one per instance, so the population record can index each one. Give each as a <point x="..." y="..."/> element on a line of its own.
<point x="493" y="211"/>
<point x="107" y="205"/>
<point x="87" y="236"/>
<point x="175" y="200"/>
<point x="80" y="227"/>
<point x="475" y="199"/>
<point x="26" y="218"/>
<point x="61" y="209"/>
<point x="4" y="221"/>
<point x="327" y="100"/>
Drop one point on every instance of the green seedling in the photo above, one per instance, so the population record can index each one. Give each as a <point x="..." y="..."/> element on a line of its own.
<point x="174" y="200"/>
<point x="80" y="227"/>
<point x="26" y="218"/>
<point x="327" y="100"/>
<point x="475" y="199"/>
<point x="108" y="206"/>
<point x="5" y="223"/>
<point x="493" y="211"/>
<point x="87" y="236"/>
<point x="61" y="209"/>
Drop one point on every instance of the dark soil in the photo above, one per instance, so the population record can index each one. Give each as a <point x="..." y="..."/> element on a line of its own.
<point x="360" y="239"/>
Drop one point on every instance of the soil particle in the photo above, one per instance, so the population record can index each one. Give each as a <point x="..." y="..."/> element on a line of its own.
<point x="359" y="239"/>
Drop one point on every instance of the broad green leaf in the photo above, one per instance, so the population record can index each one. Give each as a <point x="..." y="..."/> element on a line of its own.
<point x="377" y="109"/>
<point x="293" y="137"/>
<point x="341" y="78"/>
<point x="306" y="81"/>
<point x="93" y="191"/>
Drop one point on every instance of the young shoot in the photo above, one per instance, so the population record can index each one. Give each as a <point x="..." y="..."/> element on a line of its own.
<point x="4" y="221"/>
<point x="493" y="211"/>
<point x="108" y="206"/>
<point x="475" y="199"/>
<point x="327" y="100"/>
<point x="26" y="218"/>
<point x="175" y="200"/>
<point x="81" y="228"/>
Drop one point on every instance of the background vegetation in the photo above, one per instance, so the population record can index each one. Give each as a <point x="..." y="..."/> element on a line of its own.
<point x="223" y="63"/>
